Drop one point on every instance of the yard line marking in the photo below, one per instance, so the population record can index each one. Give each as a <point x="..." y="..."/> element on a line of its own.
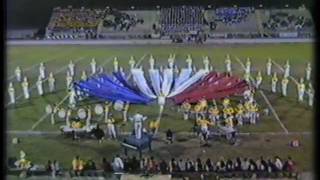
<point x="266" y="100"/>
<point x="274" y="112"/>
<point x="46" y="114"/>
<point x="33" y="66"/>
<point x="281" y="68"/>
<point x="35" y="84"/>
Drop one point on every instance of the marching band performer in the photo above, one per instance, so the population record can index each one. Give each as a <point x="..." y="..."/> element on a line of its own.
<point x="197" y="109"/>
<point x="54" y="111"/>
<point x="206" y="63"/>
<point x="310" y="95"/>
<point x="71" y="67"/>
<point x="106" y="109"/>
<point x="151" y="62"/>
<point x="138" y="124"/>
<point x="51" y="81"/>
<point x="11" y="93"/>
<point x="186" y="107"/>
<point x="111" y="127"/>
<point x="229" y="121"/>
<point x="25" y="88"/>
<point x="101" y="70"/>
<point x="18" y="73"/>
<point x="171" y="61"/>
<point x="203" y="123"/>
<point x="253" y="113"/>
<point x="203" y="106"/>
<point x="258" y="80"/>
<point x="214" y="114"/>
<point x="239" y="114"/>
<point x="269" y="65"/>
<point x="115" y="64"/>
<point x="247" y="77"/>
<point x="287" y="69"/>
<point x="69" y="80"/>
<point x="93" y="66"/>
<point x="39" y="86"/>
<point x="42" y="70"/>
<point x="125" y="111"/>
<point x="248" y="66"/>
<point x="284" y="84"/>
<point x="84" y="76"/>
<point x="132" y="62"/>
<point x="228" y="64"/>
<point x="308" y="72"/>
<point x="72" y="97"/>
<point x="301" y="89"/>
<point x="274" y="81"/>
<point x="189" y="61"/>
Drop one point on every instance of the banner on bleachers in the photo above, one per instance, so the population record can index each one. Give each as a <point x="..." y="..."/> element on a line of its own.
<point x="288" y="34"/>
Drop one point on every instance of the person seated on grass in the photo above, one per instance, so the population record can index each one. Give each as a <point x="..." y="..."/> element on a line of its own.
<point x="173" y="165"/>
<point x="237" y="164"/>
<point x="252" y="166"/>
<point x="91" y="165"/>
<point x="48" y="167"/>
<point x="229" y="165"/>
<point x="290" y="167"/>
<point x="278" y="163"/>
<point x="198" y="165"/>
<point x="181" y="166"/>
<point x="106" y="166"/>
<point x="221" y="165"/>
<point x="117" y="164"/>
<point x="209" y="165"/>
<point x="163" y="167"/>
<point x="134" y="164"/>
<point x="152" y="165"/>
<point x="98" y="133"/>
<point x="169" y="136"/>
<point x="77" y="166"/>
<point x="245" y="165"/>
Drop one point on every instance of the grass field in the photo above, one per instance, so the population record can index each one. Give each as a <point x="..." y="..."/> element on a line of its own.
<point x="295" y="117"/>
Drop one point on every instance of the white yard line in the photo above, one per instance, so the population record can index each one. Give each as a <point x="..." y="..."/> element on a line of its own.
<point x="46" y="114"/>
<point x="281" y="68"/>
<point x="266" y="100"/>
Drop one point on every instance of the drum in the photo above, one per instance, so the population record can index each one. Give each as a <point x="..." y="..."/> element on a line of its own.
<point x="98" y="109"/>
<point x="118" y="105"/>
<point x="49" y="109"/>
<point x="82" y="113"/>
<point x="62" y="113"/>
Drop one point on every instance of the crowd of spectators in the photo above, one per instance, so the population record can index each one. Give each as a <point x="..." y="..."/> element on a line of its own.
<point x="120" y="21"/>
<point x="233" y="15"/>
<point x="72" y="23"/>
<point x="181" y="19"/>
<point x="245" y="167"/>
<point x="286" y="21"/>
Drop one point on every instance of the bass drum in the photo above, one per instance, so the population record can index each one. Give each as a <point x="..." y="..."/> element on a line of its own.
<point x="98" y="109"/>
<point x="118" y="105"/>
<point x="82" y="113"/>
<point x="62" y="113"/>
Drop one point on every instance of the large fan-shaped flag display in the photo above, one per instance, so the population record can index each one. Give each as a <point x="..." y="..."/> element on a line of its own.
<point x="180" y="87"/>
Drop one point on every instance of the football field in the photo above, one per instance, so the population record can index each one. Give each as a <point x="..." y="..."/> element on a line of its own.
<point x="286" y="121"/>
